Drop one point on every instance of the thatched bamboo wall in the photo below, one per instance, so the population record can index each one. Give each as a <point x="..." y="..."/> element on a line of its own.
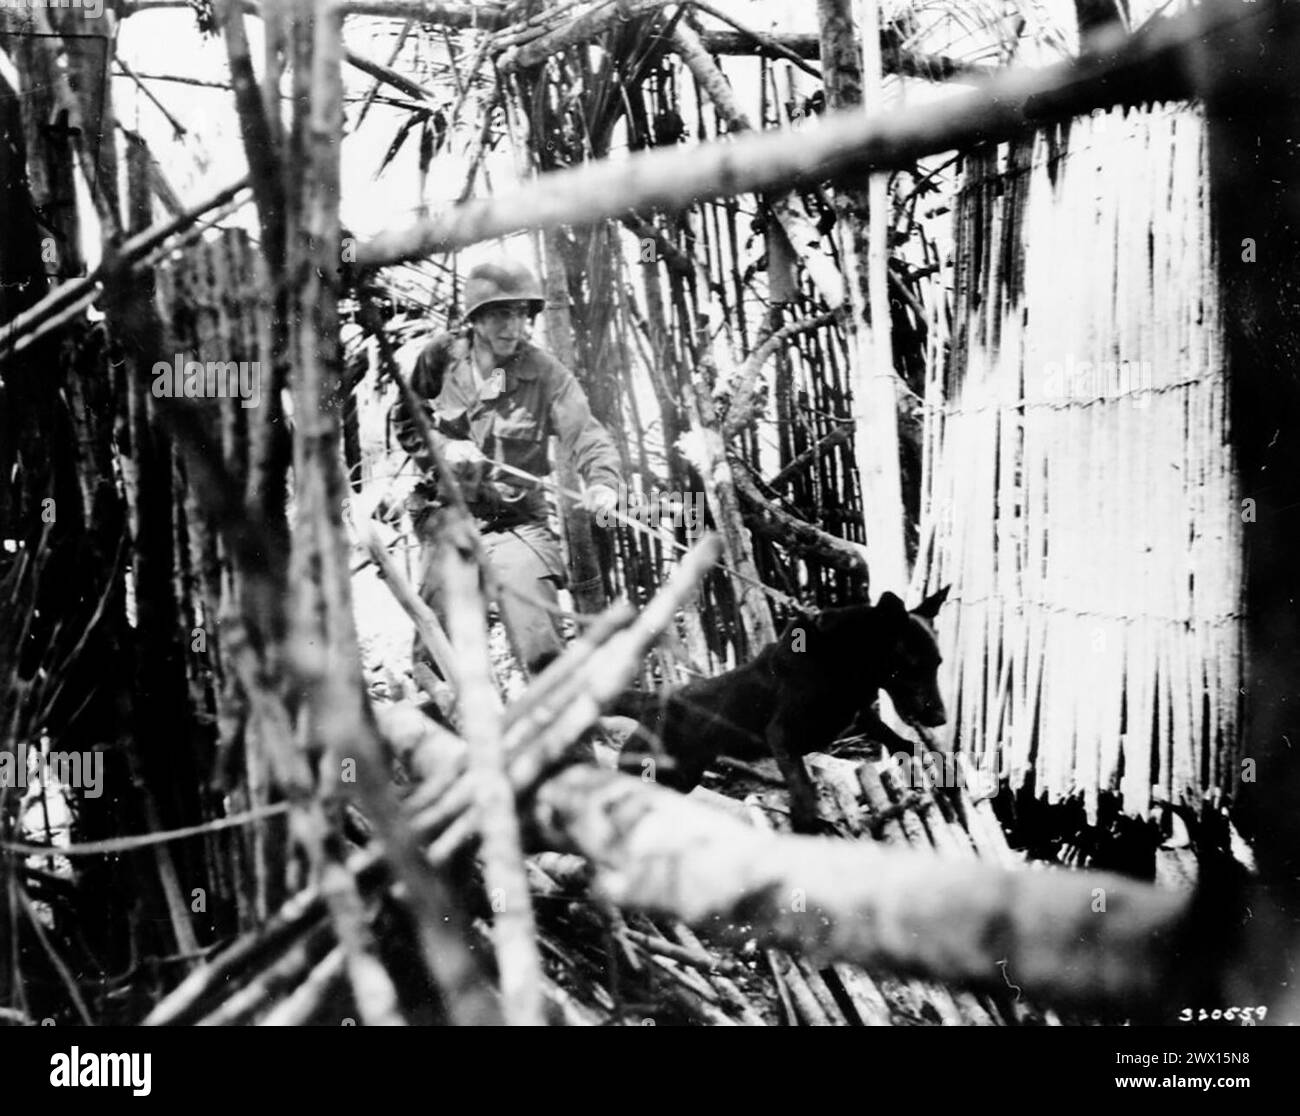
<point x="1088" y="519"/>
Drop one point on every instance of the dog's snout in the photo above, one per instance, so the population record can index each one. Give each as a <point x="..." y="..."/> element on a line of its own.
<point x="934" y="715"/>
<point x="919" y="706"/>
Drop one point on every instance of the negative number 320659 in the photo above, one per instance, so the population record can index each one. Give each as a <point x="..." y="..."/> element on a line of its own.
<point x="1246" y="1015"/>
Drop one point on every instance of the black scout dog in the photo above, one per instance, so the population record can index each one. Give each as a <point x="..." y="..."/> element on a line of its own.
<point x="797" y="696"/>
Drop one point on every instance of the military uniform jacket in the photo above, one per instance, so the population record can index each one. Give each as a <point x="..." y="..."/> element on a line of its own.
<point x="509" y="417"/>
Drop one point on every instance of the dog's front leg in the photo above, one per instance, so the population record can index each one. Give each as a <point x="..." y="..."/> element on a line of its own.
<point x="803" y="795"/>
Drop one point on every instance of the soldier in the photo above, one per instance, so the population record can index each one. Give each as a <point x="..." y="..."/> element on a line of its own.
<point x="493" y="396"/>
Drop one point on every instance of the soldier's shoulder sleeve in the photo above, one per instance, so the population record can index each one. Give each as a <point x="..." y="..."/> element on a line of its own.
<point x="571" y="420"/>
<point x="431" y="366"/>
<point x="426" y="382"/>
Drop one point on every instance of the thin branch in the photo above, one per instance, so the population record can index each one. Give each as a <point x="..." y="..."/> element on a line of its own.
<point x="741" y="410"/>
<point x="179" y="130"/>
<point x="769" y="44"/>
<point x="388" y="76"/>
<point x="837" y="437"/>
<point x="765" y="518"/>
<point x="476" y="63"/>
<point x="392" y="57"/>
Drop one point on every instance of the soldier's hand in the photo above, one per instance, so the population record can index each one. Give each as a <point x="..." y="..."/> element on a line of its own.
<point x="467" y="463"/>
<point x="388" y="508"/>
<point x="600" y="500"/>
<point x="382" y="501"/>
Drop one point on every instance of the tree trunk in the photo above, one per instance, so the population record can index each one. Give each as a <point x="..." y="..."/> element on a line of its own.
<point x="585" y="581"/>
<point x="1257" y="220"/>
<point x="862" y="220"/>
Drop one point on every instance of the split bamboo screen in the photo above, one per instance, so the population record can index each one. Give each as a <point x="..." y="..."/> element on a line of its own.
<point x="1079" y="490"/>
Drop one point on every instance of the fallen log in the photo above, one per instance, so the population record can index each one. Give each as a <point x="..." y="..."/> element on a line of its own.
<point x="1089" y="939"/>
<point x="1149" y="65"/>
<point x="951" y="920"/>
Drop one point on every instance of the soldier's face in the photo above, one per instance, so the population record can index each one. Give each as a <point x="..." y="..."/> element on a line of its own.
<point x="502" y="326"/>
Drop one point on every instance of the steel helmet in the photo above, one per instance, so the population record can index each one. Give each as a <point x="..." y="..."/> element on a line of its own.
<point x="501" y="282"/>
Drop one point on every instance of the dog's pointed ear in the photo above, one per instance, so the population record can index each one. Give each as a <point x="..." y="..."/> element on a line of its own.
<point x="890" y="609"/>
<point x="928" y="609"/>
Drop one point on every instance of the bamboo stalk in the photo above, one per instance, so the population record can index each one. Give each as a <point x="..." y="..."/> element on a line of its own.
<point x="816" y="984"/>
<point x="427" y="625"/>
<point x="794" y="226"/>
<point x="372" y="988"/>
<point x="808" y="1008"/>
<point x="865" y="995"/>
<point x="282" y="974"/>
<point x="919" y="835"/>
<point x="579" y="30"/>
<point x="952" y="840"/>
<point x="893" y="833"/>
<point x="265" y="172"/>
<point x="514" y="929"/>
<point x="652" y="944"/>
<point x="309" y="997"/>
<point x="731" y="993"/>
<point x="132" y="250"/>
<point x="60" y="966"/>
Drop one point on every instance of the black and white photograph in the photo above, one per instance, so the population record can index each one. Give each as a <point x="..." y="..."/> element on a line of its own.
<point x="637" y="513"/>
